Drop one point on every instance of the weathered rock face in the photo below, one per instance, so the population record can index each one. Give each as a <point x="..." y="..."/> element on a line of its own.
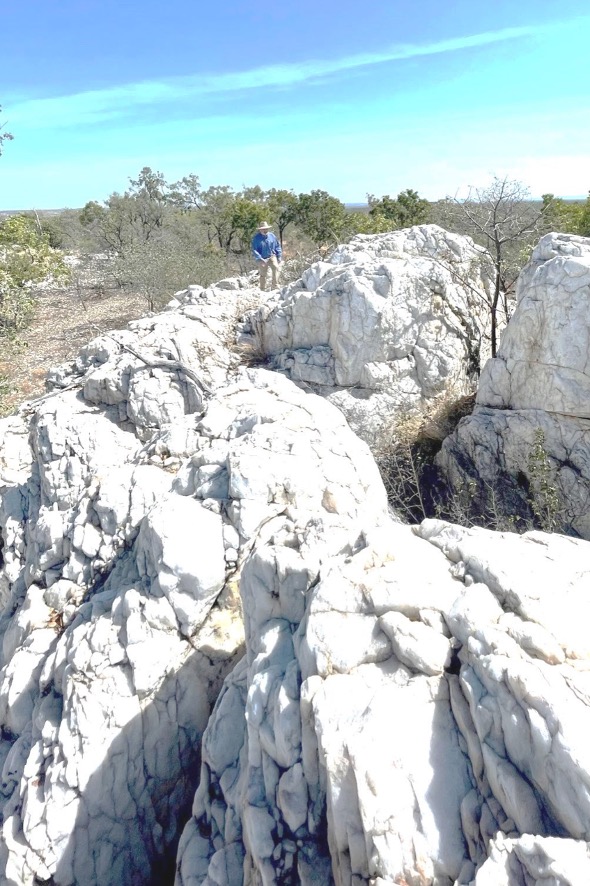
<point x="412" y="713"/>
<point x="122" y="522"/>
<point x="535" y="860"/>
<point x="537" y="389"/>
<point x="390" y="321"/>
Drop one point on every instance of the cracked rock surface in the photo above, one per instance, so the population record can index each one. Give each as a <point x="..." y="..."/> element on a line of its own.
<point x="128" y="500"/>
<point x="204" y="600"/>
<point x="413" y="710"/>
<point x="391" y="321"/>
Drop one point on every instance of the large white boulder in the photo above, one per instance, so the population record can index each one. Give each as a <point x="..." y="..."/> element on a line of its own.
<point x="535" y="860"/>
<point x="198" y="566"/>
<point x="543" y="359"/>
<point x="391" y="321"/>
<point x="529" y="434"/>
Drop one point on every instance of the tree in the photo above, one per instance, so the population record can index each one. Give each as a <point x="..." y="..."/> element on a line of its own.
<point x="64" y="230"/>
<point x="321" y="217"/>
<point x="358" y="222"/>
<point x="4" y="136"/>
<point x="406" y="210"/>
<point x="148" y="200"/>
<point x="254" y="194"/>
<point x="26" y="258"/>
<point x="186" y="194"/>
<point x="282" y="208"/>
<point x="111" y="222"/>
<point x="246" y="215"/>
<point x="124" y="220"/>
<point x="217" y="214"/>
<point x="502" y="218"/>
<point x="231" y="218"/>
<point x="561" y="215"/>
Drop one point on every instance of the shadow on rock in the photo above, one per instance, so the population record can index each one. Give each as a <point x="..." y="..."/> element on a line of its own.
<point x="133" y="807"/>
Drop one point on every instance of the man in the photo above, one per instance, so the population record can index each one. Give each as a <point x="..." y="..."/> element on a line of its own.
<point x="267" y="252"/>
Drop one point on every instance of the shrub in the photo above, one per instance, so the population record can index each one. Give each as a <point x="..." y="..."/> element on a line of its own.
<point x="544" y="494"/>
<point x="158" y="269"/>
<point x="26" y="259"/>
<point x="5" y="392"/>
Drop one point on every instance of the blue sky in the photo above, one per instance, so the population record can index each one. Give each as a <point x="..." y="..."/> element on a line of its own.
<point x="371" y="97"/>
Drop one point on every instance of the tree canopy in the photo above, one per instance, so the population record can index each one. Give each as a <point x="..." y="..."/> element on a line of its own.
<point x="407" y="209"/>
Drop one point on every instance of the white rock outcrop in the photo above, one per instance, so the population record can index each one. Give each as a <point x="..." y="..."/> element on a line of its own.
<point x="389" y="322"/>
<point x="126" y="506"/>
<point x="203" y="598"/>
<point x="531" y="423"/>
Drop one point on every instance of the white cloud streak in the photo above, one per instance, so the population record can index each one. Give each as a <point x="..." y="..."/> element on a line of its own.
<point x="129" y="99"/>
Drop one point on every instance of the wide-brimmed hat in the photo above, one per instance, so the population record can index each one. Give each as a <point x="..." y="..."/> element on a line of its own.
<point x="264" y="226"/>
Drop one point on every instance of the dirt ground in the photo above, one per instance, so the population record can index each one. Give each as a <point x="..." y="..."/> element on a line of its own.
<point x="64" y="321"/>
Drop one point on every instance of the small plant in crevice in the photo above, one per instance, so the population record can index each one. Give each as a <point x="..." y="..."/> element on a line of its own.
<point x="405" y="450"/>
<point x="489" y="505"/>
<point x="544" y="494"/>
<point x="530" y="498"/>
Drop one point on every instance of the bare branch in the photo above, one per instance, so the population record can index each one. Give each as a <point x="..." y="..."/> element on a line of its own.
<point x="501" y="218"/>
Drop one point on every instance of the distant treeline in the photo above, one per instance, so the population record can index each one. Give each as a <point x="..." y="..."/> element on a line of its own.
<point x="162" y="236"/>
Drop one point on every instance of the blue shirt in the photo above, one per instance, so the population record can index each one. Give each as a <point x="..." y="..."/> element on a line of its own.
<point x="265" y="245"/>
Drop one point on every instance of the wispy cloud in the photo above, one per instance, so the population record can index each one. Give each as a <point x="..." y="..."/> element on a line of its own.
<point x="127" y="100"/>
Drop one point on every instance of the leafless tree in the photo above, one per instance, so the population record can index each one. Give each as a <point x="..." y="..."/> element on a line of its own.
<point x="504" y="219"/>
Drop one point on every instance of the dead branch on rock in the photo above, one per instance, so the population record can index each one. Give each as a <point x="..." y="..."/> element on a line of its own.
<point x="153" y="362"/>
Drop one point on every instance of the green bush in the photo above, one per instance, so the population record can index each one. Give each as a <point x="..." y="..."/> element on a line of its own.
<point x="26" y="259"/>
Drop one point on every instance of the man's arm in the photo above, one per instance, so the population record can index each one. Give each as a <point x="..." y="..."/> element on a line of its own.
<point x="278" y="250"/>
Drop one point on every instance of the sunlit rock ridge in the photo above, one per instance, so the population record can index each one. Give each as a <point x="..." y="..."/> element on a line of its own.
<point x="222" y="660"/>
<point x="391" y="321"/>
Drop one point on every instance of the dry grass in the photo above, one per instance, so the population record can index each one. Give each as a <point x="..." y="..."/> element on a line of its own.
<point x="64" y="321"/>
<point x="405" y="451"/>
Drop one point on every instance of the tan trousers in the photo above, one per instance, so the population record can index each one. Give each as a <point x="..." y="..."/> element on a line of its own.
<point x="274" y="266"/>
